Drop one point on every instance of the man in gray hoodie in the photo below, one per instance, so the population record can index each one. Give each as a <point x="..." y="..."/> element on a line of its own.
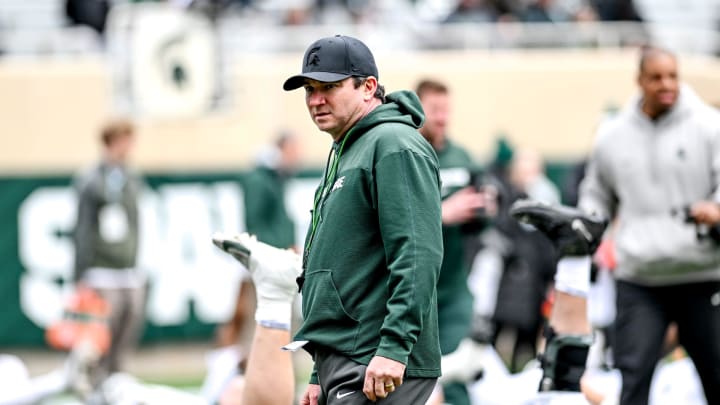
<point x="106" y="242"/>
<point x="655" y="169"/>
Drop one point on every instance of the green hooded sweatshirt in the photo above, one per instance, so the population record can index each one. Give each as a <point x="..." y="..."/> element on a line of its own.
<point x="373" y="259"/>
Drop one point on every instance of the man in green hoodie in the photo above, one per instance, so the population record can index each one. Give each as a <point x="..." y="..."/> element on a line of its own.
<point x="374" y="248"/>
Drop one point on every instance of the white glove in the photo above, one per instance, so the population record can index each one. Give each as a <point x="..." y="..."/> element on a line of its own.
<point x="273" y="271"/>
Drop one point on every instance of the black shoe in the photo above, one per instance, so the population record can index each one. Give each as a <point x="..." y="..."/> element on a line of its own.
<point x="573" y="232"/>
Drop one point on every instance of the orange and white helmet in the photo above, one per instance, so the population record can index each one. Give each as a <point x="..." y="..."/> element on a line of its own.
<point x="84" y="321"/>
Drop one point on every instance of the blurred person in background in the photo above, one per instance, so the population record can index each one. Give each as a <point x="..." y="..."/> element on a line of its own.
<point x="655" y="169"/>
<point x="473" y="11"/>
<point x="339" y="11"/>
<point x="267" y="218"/>
<point x="617" y="10"/>
<point x="92" y="13"/>
<point x="527" y="261"/>
<point x="106" y="242"/>
<point x="558" y="11"/>
<point x="527" y="175"/>
<point x="512" y="264"/>
<point x="462" y="204"/>
<point x="374" y="248"/>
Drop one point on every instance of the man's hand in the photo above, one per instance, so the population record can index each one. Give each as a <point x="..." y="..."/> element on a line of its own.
<point x="705" y="212"/>
<point x="382" y="377"/>
<point x="310" y="397"/>
<point x="463" y="205"/>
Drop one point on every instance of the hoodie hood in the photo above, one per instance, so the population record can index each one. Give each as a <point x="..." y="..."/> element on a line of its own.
<point x="400" y="107"/>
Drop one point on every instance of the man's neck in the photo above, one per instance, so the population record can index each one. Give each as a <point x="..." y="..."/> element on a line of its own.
<point x="653" y="113"/>
<point x="111" y="160"/>
<point x="371" y="105"/>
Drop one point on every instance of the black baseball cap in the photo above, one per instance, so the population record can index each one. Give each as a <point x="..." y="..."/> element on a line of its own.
<point x="333" y="59"/>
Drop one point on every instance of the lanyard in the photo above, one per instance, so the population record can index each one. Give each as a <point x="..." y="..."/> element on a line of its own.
<point x="330" y="173"/>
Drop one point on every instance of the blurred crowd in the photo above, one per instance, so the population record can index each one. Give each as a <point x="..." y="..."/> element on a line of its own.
<point x="314" y="12"/>
<point x="79" y="26"/>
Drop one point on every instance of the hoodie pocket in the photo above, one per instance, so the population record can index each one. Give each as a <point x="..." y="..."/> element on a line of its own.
<point x="326" y="322"/>
<point x="661" y="246"/>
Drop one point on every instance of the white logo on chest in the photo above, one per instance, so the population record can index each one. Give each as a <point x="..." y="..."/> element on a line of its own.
<point x="338" y="183"/>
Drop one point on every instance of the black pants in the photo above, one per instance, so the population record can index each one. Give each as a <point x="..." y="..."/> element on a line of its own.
<point x="342" y="380"/>
<point x="643" y="315"/>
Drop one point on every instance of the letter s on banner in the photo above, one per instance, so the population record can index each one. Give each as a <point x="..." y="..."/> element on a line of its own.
<point x="46" y="252"/>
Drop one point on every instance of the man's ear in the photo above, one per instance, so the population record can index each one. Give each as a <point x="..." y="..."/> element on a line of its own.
<point x="369" y="87"/>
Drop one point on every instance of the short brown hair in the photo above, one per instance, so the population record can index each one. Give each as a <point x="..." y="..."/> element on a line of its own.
<point x="379" y="92"/>
<point x="431" y="86"/>
<point x="115" y="129"/>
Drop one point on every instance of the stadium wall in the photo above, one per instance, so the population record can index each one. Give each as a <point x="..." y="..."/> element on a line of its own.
<point x="547" y="100"/>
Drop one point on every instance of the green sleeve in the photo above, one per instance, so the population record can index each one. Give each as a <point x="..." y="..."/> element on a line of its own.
<point x="314" y="376"/>
<point x="408" y="201"/>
